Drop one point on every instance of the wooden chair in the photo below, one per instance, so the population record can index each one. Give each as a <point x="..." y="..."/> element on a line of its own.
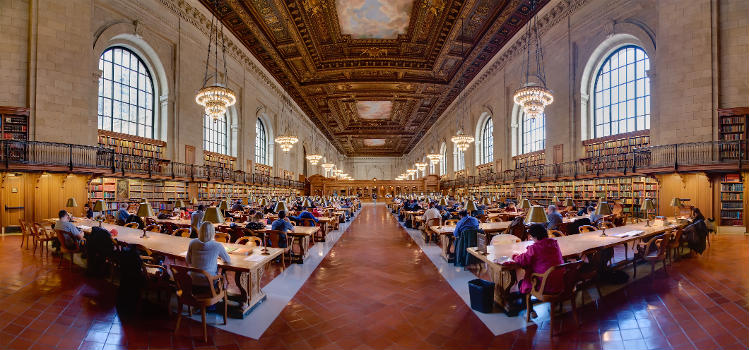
<point x="182" y="232"/>
<point x="186" y="295"/>
<point x="64" y="250"/>
<point x="274" y="236"/>
<point x="250" y="240"/>
<point x="132" y="225"/>
<point x="43" y="238"/>
<point x="495" y="219"/>
<point x="606" y="225"/>
<point x="153" y="228"/>
<point x="307" y="222"/>
<point x="451" y="222"/>
<point x="25" y="233"/>
<point x="675" y="245"/>
<point x="587" y="228"/>
<point x="109" y="219"/>
<point x="588" y="273"/>
<point x="222" y="237"/>
<point x="482" y="218"/>
<point x="570" y="276"/>
<point x="517" y="228"/>
<point x="556" y="233"/>
<point x="429" y="235"/>
<point x="653" y="251"/>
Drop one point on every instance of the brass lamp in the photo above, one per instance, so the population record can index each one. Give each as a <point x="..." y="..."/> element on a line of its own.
<point x="144" y="211"/>
<point x="179" y="204"/>
<point x="603" y="209"/>
<point x="213" y="215"/>
<point x="224" y="206"/>
<point x="71" y="203"/>
<point x="555" y="200"/>
<point x="264" y="202"/>
<point x="280" y="206"/>
<point x="485" y="201"/>
<point x="443" y="201"/>
<point x="525" y="204"/>
<point x="536" y="215"/>
<point x="99" y="207"/>
<point x="470" y="206"/>
<point x="307" y="203"/>
<point x="676" y="203"/>
<point x="569" y="202"/>
<point x="647" y="206"/>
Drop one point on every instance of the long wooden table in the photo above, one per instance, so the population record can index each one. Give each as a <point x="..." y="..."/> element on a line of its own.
<point x="502" y="271"/>
<point x="248" y="269"/>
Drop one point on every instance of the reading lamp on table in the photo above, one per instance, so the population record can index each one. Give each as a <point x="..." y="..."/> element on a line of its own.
<point x="144" y="211"/>
<point x="99" y="207"/>
<point x="603" y="209"/>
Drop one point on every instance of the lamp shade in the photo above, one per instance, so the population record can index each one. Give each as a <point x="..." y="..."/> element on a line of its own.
<point x="213" y="215"/>
<point x="280" y="206"/>
<point x="647" y="204"/>
<point x="536" y="215"/>
<point x="485" y="201"/>
<point x="144" y="210"/>
<point x="443" y="201"/>
<point x="71" y="203"/>
<point x="471" y="206"/>
<point x="194" y="201"/>
<point x="676" y="202"/>
<point x="179" y="203"/>
<point x="603" y="208"/>
<point x="98" y="205"/>
<point x="224" y="206"/>
<point x="569" y="202"/>
<point x="525" y="204"/>
<point x="307" y="203"/>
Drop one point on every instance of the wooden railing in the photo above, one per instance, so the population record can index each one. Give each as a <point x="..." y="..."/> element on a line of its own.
<point x="52" y="156"/>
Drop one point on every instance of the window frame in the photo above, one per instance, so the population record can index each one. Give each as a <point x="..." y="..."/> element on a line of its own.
<point x="533" y="144"/>
<point x="487" y="142"/>
<point x="212" y="136"/>
<point x="261" y="142"/>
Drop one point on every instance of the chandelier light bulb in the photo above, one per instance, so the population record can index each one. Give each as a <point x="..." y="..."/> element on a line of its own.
<point x="533" y="98"/>
<point x="216" y="100"/>
<point x="462" y="141"/>
<point x="314" y="158"/>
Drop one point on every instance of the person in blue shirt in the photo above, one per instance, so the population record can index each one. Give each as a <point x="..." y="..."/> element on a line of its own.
<point x="284" y="225"/>
<point x="467" y="221"/>
<point x="122" y="215"/>
<point x="303" y="215"/>
<point x="554" y="219"/>
<point x="480" y="210"/>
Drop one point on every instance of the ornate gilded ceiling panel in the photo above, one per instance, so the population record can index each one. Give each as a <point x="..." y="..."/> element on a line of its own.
<point x="374" y="75"/>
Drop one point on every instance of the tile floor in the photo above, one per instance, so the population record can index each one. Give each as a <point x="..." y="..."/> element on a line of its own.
<point x="376" y="289"/>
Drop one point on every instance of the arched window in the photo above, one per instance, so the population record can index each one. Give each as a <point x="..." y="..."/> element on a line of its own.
<point x="261" y="143"/>
<point x="215" y="136"/>
<point x="459" y="159"/>
<point x="486" y="138"/>
<point x="622" y="93"/>
<point x="443" y="161"/>
<point x="532" y="134"/>
<point x="126" y="97"/>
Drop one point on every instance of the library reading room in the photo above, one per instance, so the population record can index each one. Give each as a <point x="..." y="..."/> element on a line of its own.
<point x="374" y="174"/>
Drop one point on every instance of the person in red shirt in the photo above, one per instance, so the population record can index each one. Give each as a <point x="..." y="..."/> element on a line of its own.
<point x="539" y="257"/>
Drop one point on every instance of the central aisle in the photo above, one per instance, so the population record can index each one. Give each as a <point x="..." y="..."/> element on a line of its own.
<point x="377" y="288"/>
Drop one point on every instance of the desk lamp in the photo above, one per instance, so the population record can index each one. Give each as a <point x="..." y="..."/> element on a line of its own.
<point x="676" y="203"/>
<point x="536" y="215"/>
<point x="647" y="206"/>
<point x="99" y="207"/>
<point x="603" y="209"/>
<point x="144" y="211"/>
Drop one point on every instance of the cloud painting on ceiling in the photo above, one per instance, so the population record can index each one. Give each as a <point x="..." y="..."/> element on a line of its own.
<point x="374" y="19"/>
<point x="374" y="142"/>
<point x="374" y="110"/>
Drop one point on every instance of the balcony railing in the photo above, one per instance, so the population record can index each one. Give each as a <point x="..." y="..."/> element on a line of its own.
<point x="23" y="155"/>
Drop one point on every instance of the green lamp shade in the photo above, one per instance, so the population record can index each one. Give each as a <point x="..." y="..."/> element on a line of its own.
<point x="471" y="206"/>
<point x="98" y="205"/>
<point x="144" y="210"/>
<point x="647" y="205"/>
<point x="307" y="203"/>
<point x="71" y="203"/>
<point x="569" y="202"/>
<point x="213" y="215"/>
<point x="280" y="206"/>
<point x="536" y="215"/>
<point x="485" y="201"/>
<point x="223" y="205"/>
<point x="603" y="208"/>
<point x="179" y="204"/>
<point x="443" y="201"/>
<point x="676" y="202"/>
<point x="194" y="201"/>
<point x="264" y="202"/>
<point x="525" y="204"/>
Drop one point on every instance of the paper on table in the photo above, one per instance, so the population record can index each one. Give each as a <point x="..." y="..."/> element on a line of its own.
<point x="85" y="228"/>
<point x="628" y="234"/>
<point x="183" y="253"/>
<point x="254" y="258"/>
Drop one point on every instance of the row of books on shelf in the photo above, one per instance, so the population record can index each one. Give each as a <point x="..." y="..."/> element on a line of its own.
<point x="732" y="120"/>
<point x="737" y="187"/>
<point x="732" y="205"/>
<point x="731" y="196"/>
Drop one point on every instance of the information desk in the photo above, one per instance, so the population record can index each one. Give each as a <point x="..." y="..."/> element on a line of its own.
<point x="502" y="269"/>
<point x="248" y="268"/>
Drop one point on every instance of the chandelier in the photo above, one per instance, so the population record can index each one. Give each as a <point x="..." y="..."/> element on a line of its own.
<point x="328" y="167"/>
<point x="286" y="141"/>
<point x="533" y="97"/>
<point x="420" y="166"/>
<point x="214" y="96"/>
<point x="434" y="158"/>
<point x="314" y="158"/>
<point x="462" y="141"/>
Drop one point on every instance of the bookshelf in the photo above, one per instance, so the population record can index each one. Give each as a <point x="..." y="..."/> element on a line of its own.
<point x="263" y="169"/>
<point x="219" y="160"/>
<point x="731" y="200"/>
<point x="14" y="123"/>
<point x="611" y="151"/>
<point x="117" y="192"/>
<point x="530" y="159"/>
<point x="132" y="145"/>
<point x="732" y="127"/>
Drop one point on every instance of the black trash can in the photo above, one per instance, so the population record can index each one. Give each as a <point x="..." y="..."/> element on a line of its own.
<point x="482" y="295"/>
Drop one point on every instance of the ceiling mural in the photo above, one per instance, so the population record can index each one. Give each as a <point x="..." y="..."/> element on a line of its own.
<point x="369" y="19"/>
<point x="373" y="69"/>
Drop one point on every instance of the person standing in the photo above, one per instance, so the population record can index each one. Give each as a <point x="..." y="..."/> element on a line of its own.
<point x="196" y="220"/>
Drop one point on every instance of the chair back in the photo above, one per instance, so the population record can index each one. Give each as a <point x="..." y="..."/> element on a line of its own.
<point x="153" y="228"/>
<point x="482" y="218"/>
<point x="433" y="222"/>
<point x="182" y="232"/>
<point x="183" y="278"/>
<point x="606" y="224"/>
<point x="504" y="238"/>
<point x="676" y="237"/>
<point x="22" y="226"/>
<point x="37" y="230"/>
<point x="61" y="239"/>
<point x="567" y="272"/>
<point x="587" y="228"/>
<point x="132" y="225"/>
<point x="247" y="240"/>
<point x="307" y="222"/>
<point x="556" y="233"/>
<point x="109" y="218"/>
<point x="451" y="222"/>
<point x="496" y="218"/>
<point x="222" y="237"/>
<point x="517" y="228"/>
<point x="274" y="237"/>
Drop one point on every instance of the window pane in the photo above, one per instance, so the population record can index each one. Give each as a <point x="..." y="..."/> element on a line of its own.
<point x="214" y="135"/>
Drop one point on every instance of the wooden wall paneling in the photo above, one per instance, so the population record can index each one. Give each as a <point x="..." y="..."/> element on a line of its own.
<point x="12" y="197"/>
<point x="697" y="187"/>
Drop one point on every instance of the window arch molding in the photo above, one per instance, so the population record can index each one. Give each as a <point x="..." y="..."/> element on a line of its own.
<point x="484" y="139"/>
<point x="443" y="158"/>
<point x="628" y="34"/>
<point x="517" y="128"/>
<point x="122" y="35"/>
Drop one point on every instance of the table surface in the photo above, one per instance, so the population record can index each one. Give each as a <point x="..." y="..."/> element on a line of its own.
<point x="177" y="246"/>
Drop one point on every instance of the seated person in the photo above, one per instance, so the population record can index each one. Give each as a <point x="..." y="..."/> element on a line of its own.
<point x="122" y="215"/>
<point x="617" y="209"/>
<point x="539" y="257"/>
<point x="553" y="217"/>
<point x="584" y="209"/>
<point x="316" y="212"/>
<point x="593" y="216"/>
<point x="511" y="207"/>
<point x="697" y="215"/>
<point x="71" y="234"/>
<point x="203" y="253"/>
<point x="431" y="213"/>
<point x="89" y="212"/>
<point x="304" y="215"/>
<point x="237" y="206"/>
<point x="136" y="219"/>
<point x="480" y="210"/>
<point x="466" y="222"/>
<point x="257" y="221"/>
<point x="284" y="225"/>
<point x="196" y="219"/>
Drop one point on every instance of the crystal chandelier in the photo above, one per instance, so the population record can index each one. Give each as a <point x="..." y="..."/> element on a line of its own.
<point x="328" y="167"/>
<point x="533" y="97"/>
<point x="314" y="158"/>
<point x="462" y="141"/>
<point x="434" y="158"/>
<point x="214" y="96"/>
<point x="420" y="166"/>
<point x="286" y="141"/>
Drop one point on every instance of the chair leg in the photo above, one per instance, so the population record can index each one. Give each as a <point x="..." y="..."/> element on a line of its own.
<point x="528" y="307"/>
<point x="551" y="320"/>
<point x="205" y="326"/>
<point x="179" y="317"/>
<point x="226" y="307"/>
<point x="574" y="310"/>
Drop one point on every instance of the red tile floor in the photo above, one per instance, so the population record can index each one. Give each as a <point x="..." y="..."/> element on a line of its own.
<point x="376" y="290"/>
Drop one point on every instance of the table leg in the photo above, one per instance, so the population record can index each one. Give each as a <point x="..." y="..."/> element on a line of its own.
<point x="503" y="280"/>
<point x="250" y="293"/>
<point x="446" y="241"/>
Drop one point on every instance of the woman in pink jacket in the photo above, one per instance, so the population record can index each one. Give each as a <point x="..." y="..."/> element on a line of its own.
<point x="539" y="257"/>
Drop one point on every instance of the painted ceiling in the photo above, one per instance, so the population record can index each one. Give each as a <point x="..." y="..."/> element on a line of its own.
<point x="367" y="70"/>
